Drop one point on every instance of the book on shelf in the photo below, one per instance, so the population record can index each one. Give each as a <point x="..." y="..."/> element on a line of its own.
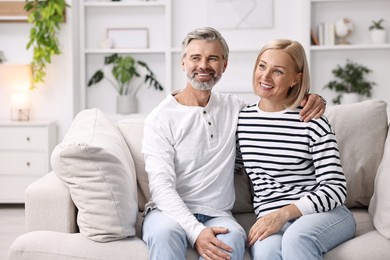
<point x="314" y="38"/>
<point x="325" y="34"/>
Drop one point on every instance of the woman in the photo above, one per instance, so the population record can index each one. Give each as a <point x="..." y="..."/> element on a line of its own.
<point x="299" y="186"/>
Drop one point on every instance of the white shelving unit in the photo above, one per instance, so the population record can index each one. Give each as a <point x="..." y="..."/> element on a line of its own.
<point x="95" y="18"/>
<point x="323" y="59"/>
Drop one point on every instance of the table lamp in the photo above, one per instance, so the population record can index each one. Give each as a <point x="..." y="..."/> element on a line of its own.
<point x="19" y="78"/>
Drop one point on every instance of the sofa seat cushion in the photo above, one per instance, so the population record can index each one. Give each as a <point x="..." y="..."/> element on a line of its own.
<point x="370" y="245"/>
<point x="95" y="163"/>
<point x="48" y="245"/>
<point x="363" y="221"/>
<point x="361" y="130"/>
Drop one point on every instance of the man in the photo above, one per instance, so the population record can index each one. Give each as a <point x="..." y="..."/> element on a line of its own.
<point x="189" y="149"/>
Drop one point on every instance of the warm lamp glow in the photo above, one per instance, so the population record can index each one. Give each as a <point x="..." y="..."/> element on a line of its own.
<point x="20" y="101"/>
<point x="17" y="79"/>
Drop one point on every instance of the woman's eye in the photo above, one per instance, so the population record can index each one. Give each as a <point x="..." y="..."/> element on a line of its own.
<point x="278" y="72"/>
<point x="262" y="66"/>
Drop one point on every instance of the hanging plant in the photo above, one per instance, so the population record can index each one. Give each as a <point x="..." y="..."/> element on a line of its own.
<point x="45" y="17"/>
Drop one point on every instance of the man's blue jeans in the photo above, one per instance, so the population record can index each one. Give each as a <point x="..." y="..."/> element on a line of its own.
<point x="307" y="238"/>
<point x="166" y="240"/>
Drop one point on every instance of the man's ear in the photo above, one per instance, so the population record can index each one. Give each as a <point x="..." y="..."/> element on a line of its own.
<point x="225" y="64"/>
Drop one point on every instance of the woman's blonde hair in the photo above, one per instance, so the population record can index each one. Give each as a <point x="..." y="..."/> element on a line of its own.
<point x="296" y="51"/>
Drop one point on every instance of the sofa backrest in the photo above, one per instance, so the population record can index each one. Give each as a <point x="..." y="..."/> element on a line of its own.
<point x="361" y="131"/>
<point x="132" y="131"/>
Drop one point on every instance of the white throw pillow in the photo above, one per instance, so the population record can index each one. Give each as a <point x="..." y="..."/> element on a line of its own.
<point x="361" y="130"/>
<point x="380" y="202"/>
<point x="95" y="163"/>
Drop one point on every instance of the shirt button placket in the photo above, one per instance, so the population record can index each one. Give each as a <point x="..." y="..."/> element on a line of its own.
<point x="209" y="123"/>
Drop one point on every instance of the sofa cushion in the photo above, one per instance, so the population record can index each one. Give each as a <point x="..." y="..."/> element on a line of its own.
<point x="132" y="130"/>
<point x="380" y="202"/>
<point x="49" y="245"/>
<point x="95" y="163"/>
<point x="361" y="130"/>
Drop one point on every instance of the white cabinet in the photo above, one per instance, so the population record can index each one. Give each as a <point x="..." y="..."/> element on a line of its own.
<point x="25" y="149"/>
<point x="323" y="59"/>
<point x="96" y="18"/>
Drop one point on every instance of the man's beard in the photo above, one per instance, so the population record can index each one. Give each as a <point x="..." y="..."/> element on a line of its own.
<point x="207" y="85"/>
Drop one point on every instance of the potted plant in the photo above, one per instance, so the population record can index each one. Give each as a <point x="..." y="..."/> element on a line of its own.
<point x="351" y="81"/>
<point x="45" y="17"/>
<point x="377" y="32"/>
<point x="125" y="69"/>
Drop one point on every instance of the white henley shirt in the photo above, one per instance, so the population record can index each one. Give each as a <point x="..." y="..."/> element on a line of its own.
<point x="189" y="157"/>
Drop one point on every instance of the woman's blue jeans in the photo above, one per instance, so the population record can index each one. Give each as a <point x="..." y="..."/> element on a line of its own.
<point x="309" y="237"/>
<point x="166" y="240"/>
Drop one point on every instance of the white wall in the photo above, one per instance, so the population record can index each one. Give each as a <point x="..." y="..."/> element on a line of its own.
<point x="190" y="14"/>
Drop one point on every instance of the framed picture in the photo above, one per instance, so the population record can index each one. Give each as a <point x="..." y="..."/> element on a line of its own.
<point x="128" y="37"/>
<point x="12" y="11"/>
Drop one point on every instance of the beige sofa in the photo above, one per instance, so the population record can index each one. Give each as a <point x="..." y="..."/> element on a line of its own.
<point x="80" y="211"/>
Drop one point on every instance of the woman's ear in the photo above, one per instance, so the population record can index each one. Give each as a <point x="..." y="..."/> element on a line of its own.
<point x="297" y="78"/>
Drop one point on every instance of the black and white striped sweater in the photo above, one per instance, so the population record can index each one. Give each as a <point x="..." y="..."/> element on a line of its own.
<point x="290" y="161"/>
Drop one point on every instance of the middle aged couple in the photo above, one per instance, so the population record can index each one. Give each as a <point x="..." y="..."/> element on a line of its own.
<point x="287" y="147"/>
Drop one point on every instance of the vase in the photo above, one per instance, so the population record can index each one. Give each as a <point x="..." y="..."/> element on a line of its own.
<point x="349" y="98"/>
<point x="378" y="36"/>
<point x="126" y="104"/>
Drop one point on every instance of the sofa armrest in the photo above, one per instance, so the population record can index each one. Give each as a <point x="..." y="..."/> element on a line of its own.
<point x="49" y="206"/>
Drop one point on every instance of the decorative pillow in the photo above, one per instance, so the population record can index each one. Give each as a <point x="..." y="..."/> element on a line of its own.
<point x="380" y="203"/>
<point x="361" y="130"/>
<point x="95" y="163"/>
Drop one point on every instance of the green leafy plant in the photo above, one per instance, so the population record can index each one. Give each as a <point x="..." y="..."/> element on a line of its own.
<point x="124" y="70"/>
<point x="45" y="17"/>
<point x="351" y="79"/>
<point x="377" y="25"/>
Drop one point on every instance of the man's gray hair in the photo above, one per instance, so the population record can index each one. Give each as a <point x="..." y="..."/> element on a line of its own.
<point x="208" y="34"/>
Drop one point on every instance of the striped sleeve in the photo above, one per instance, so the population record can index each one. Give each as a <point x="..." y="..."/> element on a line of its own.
<point x="331" y="188"/>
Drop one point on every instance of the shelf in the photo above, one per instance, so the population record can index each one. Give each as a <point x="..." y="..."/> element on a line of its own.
<point x="330" y="1"/>
<point x="96" y="17"/>
<point x="323" y="59"/>
<point x="140" y="51"/>
<point x="126" y="4"/>
<point x="350" y="47"/>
